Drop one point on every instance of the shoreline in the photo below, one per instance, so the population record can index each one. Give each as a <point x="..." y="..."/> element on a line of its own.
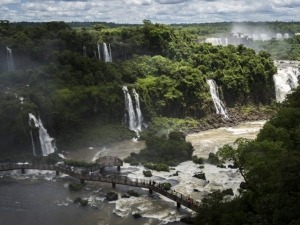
<point x="236" y="117"/>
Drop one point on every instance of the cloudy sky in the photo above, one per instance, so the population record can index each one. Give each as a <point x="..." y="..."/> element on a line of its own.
<point x="162" y="11"/>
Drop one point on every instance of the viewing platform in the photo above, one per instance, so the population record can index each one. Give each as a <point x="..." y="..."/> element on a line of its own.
<point x="94" y="173"/>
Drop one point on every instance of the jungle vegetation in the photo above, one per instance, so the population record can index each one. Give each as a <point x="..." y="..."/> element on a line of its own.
<point x="79" y="97"/>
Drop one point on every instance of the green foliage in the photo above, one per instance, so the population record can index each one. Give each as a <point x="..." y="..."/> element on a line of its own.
<point x="197" y="160"/>
<point x="82" y="202"/>
<point x="286" y="49"/>
<point x="163" y="150"/>
<point x="166" y="186"/>
<point x="147" y="173"/>
<point x="213" y="159"/>
<point x="157" y="166"/>
<point x="79" y="97"/>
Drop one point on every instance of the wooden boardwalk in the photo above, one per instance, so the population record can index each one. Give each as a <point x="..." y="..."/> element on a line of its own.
<point x="83" y="176"/>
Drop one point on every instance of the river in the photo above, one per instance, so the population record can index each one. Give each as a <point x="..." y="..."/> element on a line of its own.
<point x="42" y="198"/>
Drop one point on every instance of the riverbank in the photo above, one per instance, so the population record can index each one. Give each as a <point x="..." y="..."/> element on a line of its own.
<point x="237" y="116"/>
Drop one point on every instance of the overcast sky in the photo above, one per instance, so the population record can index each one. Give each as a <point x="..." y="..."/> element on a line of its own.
<point x="162" y="11"/>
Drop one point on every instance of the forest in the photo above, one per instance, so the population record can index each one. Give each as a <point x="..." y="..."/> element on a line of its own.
<point x="60" y="76"/>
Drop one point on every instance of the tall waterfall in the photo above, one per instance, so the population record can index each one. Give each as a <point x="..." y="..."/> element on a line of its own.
<point x="10" y="59"/>
<point x="99" y="51"/>
<point x="220" y="108"/>
<point x="134" y="116"/>
<point x="285" y="80"/>
<point x="41" y="141"/>
<point x="139" y="116"/>
<point x="107" y="54"/>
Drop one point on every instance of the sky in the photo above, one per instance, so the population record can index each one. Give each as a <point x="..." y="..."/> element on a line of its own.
<point x="158" y="11"/>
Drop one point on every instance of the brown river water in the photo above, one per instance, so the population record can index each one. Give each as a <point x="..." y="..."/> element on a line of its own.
<point x="39" y="197"/>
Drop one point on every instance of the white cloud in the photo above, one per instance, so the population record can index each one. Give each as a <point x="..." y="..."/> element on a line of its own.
<point x="163" y="11"/>
<point x="3" y="2"/>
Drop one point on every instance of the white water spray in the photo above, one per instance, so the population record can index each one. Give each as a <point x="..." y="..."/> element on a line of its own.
<point x="134" y="116"/>
<point x="139" y="116"/>
<point x="47" y="143"/>
<point x="10" y="59"/>
<point x="220" y="108"/>
<point x="106" y="51"/>
<point x="285" y="81"/>
<point x="99" y="51"/>
<point x="217" y="41"/>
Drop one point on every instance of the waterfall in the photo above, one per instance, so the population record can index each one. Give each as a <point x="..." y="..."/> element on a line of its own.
<point x="110" y="56"/>
<point x="10" y="59"/>
<point x="46" y="143"/>
<point x="99" y="51"/>
<point x="106" y="51"/>
<point x="220" y="108"/>
<point x="139" y="116"/>
<point x="285" y="80"/>
<point x="33" y="145"/>
<point x="134" y="116"/>
<point x="279" y="36"/>
<point x="286" y="35"/>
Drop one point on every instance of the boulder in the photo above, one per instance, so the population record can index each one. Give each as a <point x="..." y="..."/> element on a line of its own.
<point x="243" y="185"/>
<point x="200" y="176"/>
<point x="112" y="196"/>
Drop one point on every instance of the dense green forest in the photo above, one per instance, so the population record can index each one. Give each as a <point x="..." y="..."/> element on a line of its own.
<point x="59" y="75"/>
<point x="270" y="165"/>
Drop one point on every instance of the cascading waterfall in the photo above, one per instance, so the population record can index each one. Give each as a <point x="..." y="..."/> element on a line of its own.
<point x="107" y="56"/>
<point x="134" y="116"/>
<point x="46" y="143"/>
<point x="286" y="35"/>
<point x="285" y="80"/>
<point x="220" y="108"/>
<point x="217" y="41"/>
<point x="139" y="116"/>
<point x="99" y="51"/>
<point x="10" y="59"/>
<point x="110" y="56"/>
<point x="129" y="109"/>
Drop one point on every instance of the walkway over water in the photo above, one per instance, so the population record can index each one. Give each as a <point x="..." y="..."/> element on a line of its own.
<point x="108" y="161"/>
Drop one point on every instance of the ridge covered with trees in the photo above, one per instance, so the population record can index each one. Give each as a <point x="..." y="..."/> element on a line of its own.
<point x="72" y="91"/>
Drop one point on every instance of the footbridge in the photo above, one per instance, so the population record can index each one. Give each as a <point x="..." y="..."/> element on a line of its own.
<point x="92" y="174"/>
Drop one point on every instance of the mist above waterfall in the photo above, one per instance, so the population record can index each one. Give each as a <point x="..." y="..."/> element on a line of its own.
<point x="246" y="34"/>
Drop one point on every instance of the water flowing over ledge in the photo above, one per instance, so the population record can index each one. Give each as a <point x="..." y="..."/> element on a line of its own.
<point x="219" y="105"/>
<point x="42" y="143"/>
<point x="286" y="78"/>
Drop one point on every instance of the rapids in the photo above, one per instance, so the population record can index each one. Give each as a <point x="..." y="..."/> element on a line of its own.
<point x="25" y="198"/>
